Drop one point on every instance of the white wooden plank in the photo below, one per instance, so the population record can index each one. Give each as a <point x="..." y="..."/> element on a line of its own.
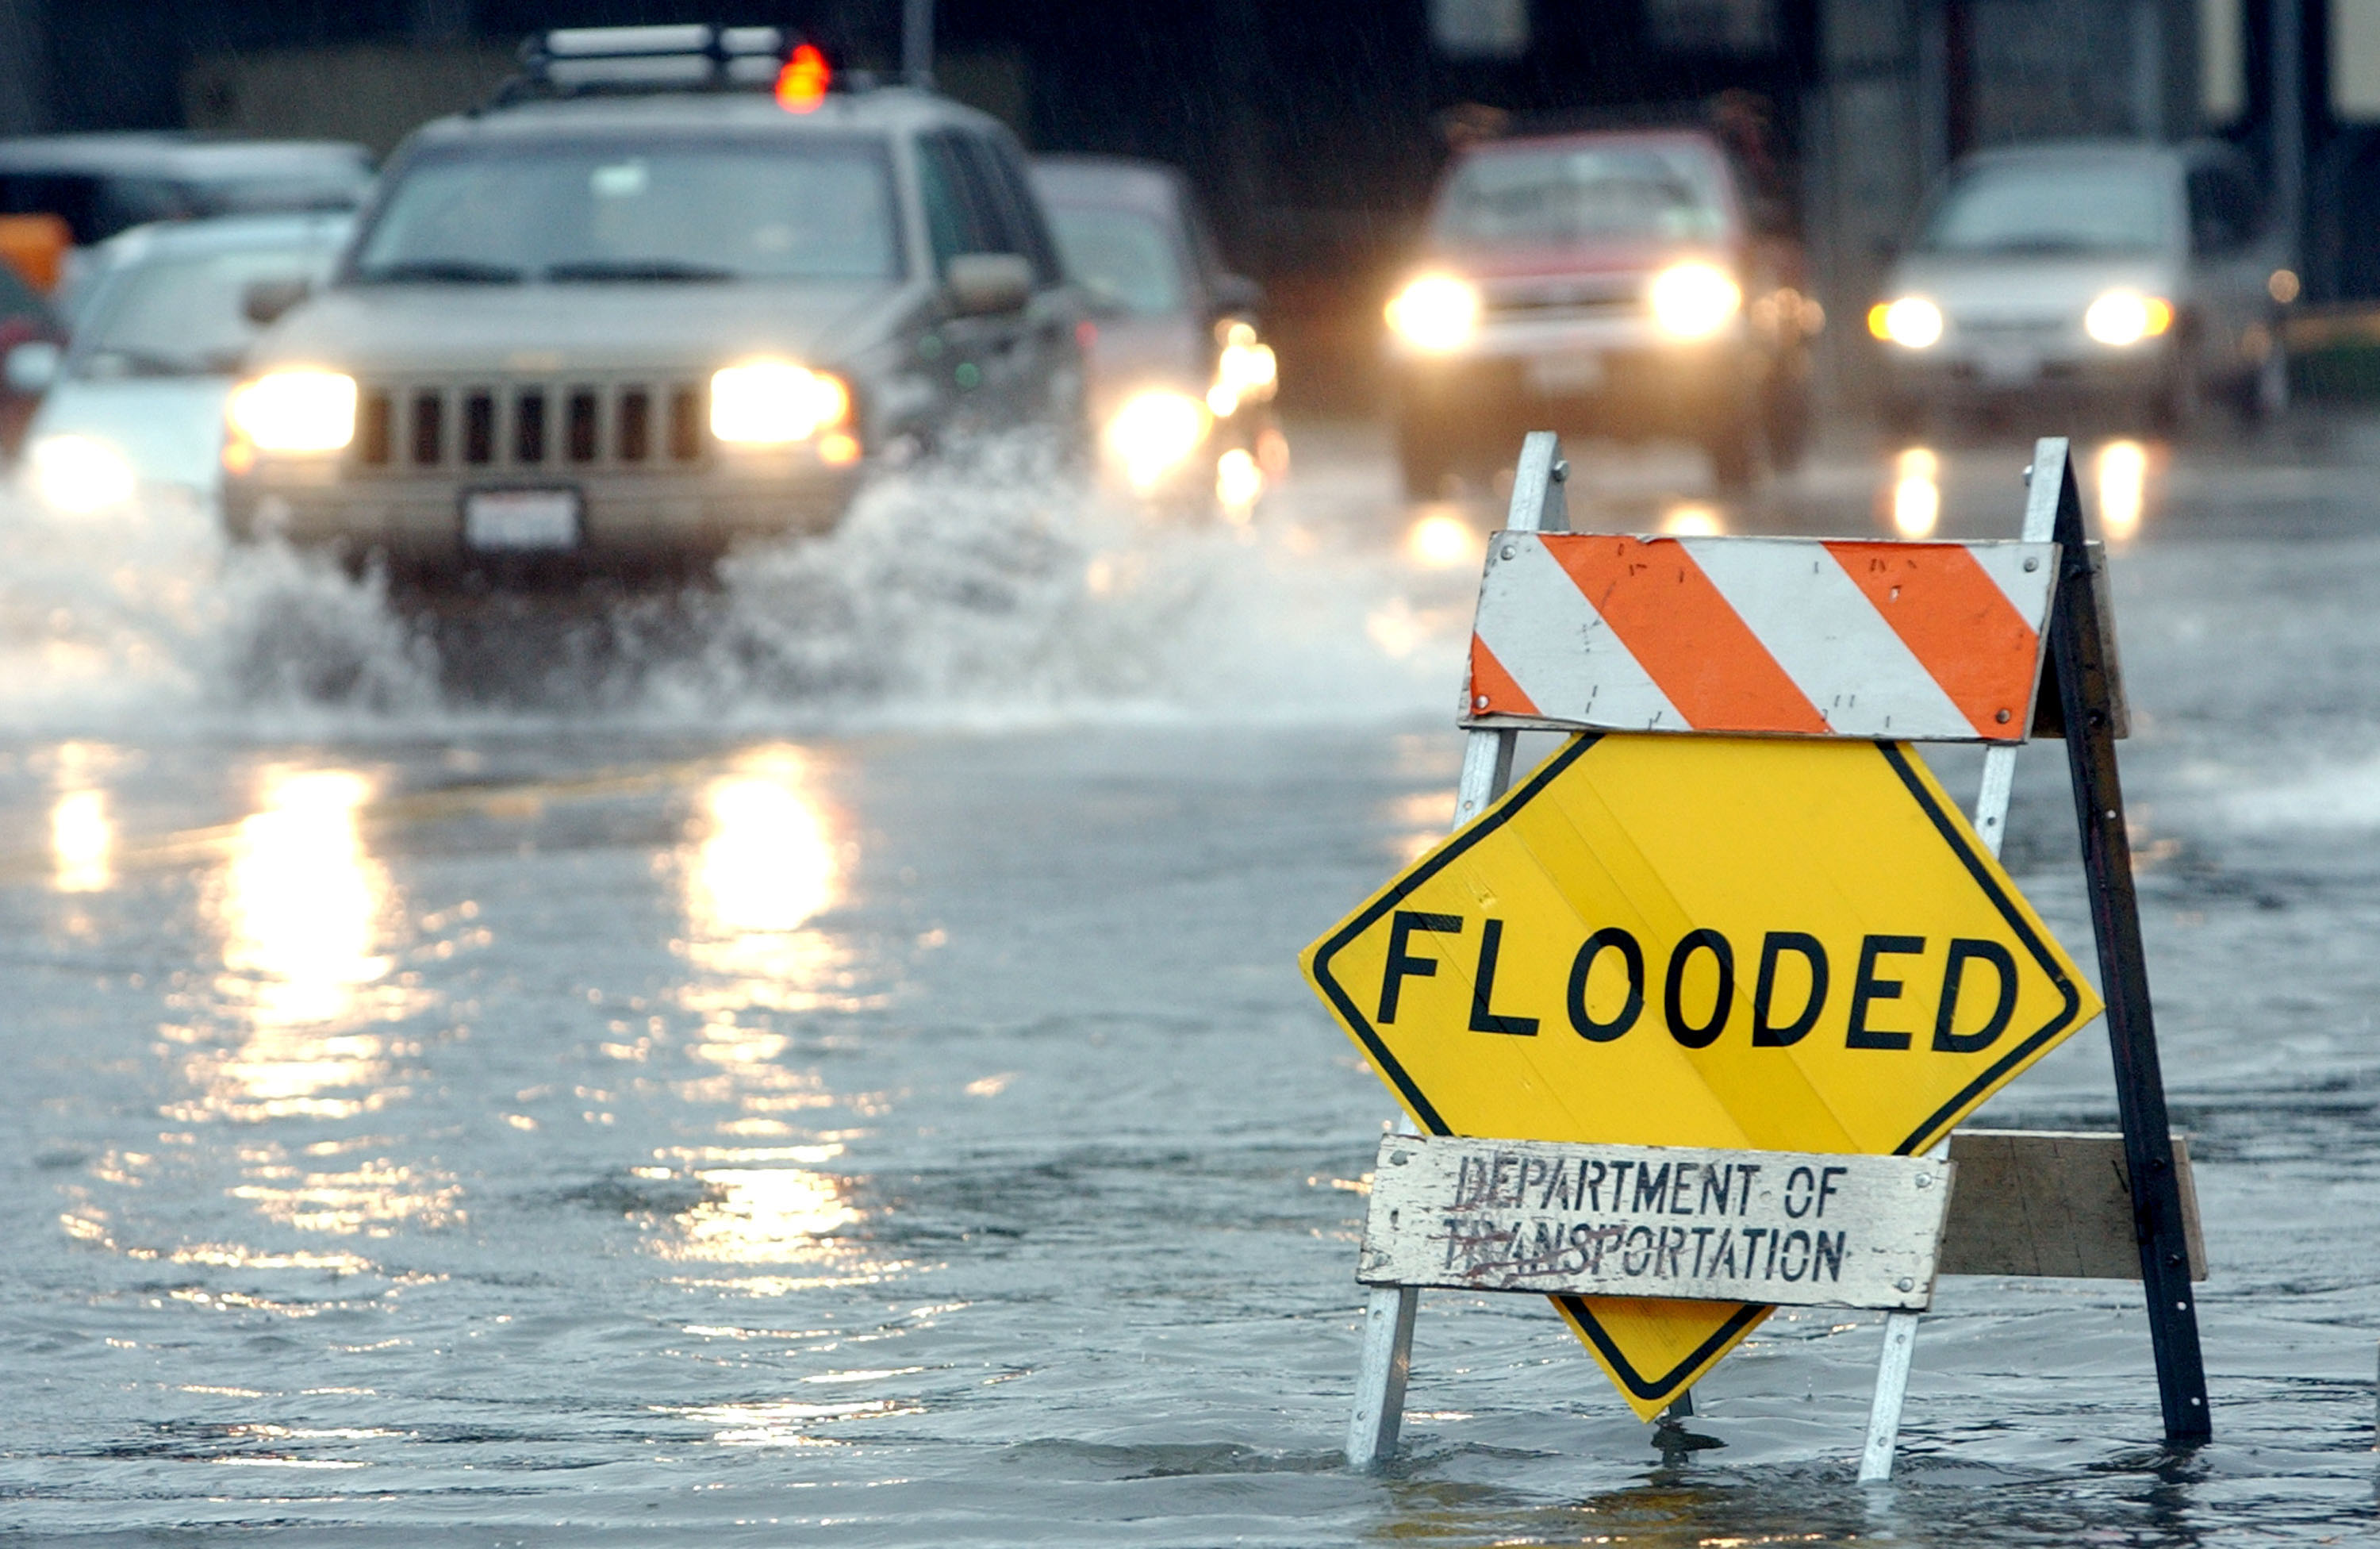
<point x="1681" y="1223"/>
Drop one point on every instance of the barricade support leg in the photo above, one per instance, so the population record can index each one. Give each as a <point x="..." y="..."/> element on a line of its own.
<point x="2077" y="651"/>
<point x="1538" y="505"/>
<point x="1380" y="1383"/>
<point x="1900" y="1328"/>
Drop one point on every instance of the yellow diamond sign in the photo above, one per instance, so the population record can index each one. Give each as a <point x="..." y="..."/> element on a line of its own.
<point x="1701" y="942"/>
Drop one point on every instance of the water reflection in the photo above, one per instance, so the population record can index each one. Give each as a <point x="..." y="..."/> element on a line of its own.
<point x="2122" y="474"/>
<point x="1916" y="492"/>
<point x="763" y="865"/>
<point x="82" y="842"/>
<point x="299" y="906"/>
<point x="302" y="901"/>
<point x="765" y="868"/>
<point x="1692" y="518"/>
<point x="764" y="1216"/>
<point x="1442" y="540"/>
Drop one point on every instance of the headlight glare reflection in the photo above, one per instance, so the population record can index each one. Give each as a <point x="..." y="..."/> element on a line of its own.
<point x="80" y="475"/>
<point x="296" y="411"/>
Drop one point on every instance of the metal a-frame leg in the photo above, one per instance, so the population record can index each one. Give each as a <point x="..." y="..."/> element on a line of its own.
<point x="1537" y="506"/>
<point x="2080" y="653"/>
<point x="1991" y="827"/>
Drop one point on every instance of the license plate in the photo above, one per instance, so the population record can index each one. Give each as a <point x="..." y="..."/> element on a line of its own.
<point x="518" y="522"/>
<point x="1566" y="374"/>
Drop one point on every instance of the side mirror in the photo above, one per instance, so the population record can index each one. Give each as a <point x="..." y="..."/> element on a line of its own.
<point x="265" y="302"/>
<point x="1236" y="293"/>
<point x="984" y="284"/>
<point x="32" y="366"/>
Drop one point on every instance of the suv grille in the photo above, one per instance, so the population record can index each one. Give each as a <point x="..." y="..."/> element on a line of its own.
<point x="1589" y="295"/>
<point x="527" y="425"/>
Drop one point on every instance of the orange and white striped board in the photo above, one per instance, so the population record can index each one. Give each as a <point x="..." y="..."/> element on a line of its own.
<point x="1779" y="636"/>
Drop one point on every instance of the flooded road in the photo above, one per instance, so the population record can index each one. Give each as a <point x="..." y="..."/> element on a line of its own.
<point x="842" y="1075"/>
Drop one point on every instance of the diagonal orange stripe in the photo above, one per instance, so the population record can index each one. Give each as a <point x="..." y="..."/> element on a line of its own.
<point x="1957" y="622"/>
<point x="1493" y="690"/>
<point x="1689" y="641"/>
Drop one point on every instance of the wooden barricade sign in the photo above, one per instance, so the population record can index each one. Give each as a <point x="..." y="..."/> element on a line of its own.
<point x="1735" y="914"/>
<point x="1662" y="1222"/>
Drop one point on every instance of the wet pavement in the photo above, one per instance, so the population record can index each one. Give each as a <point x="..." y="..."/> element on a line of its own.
<point x="824" y="1061"/>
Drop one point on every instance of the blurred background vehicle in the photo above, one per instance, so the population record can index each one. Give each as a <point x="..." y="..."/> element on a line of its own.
<point x="31" y="338"/>
<point x="1617" y="284"/>
<point x="1181" y="385"/>
<point x="670" y="291"/>
<point x="2094" y="277"/>
<point x="136" y="410"/>
<point x="101" y="184"/>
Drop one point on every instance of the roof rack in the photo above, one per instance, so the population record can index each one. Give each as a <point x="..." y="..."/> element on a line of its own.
<point x="574" y="61"/>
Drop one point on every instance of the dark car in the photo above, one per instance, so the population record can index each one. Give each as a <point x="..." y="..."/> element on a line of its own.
<point x="1181" y="385"/>
<point x="101" y="184"/>
<point x="1620" y="284"/>
<point x="636" y="311"/>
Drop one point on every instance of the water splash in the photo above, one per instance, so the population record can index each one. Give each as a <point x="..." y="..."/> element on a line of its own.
<point x="988" y="589"/>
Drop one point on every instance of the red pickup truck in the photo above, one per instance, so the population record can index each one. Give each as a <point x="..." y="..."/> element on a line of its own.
<point x="1620" y="285"/>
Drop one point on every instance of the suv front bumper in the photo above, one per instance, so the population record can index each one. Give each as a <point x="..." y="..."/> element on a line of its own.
<point x="1617" y="375"/>
<point x="627" y="521"/>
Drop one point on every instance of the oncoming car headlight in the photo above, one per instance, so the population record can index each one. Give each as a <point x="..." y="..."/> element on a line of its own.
<point x="1912" y="321"/>
<point x="772" y="403"/>
<point x="1694" y="300"/>
<point x="1436" y="313"/>
<point x="1155" y="432"/>
<point x="80" y="475"/>
<point x="2123" y="317"/>
<point x="296" y="411"/>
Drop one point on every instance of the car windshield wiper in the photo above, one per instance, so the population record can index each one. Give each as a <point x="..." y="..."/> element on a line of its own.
<point x="441" y="271"/>
<point x="636" y="269"/>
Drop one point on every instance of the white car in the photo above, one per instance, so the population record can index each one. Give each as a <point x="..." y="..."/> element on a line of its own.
<point x="135" y="408"/>
<point x="2090" y="275"/>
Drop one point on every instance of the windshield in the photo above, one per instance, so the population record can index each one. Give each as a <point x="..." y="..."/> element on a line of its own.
<point x="182" y="316"/>
<point x="821" y="209"/>
<point x="2052" y="208"/>
<point x="1555" y="196"/>
<point x="1124" y="258"/>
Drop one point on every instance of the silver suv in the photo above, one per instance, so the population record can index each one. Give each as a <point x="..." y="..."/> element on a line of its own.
<point x="646" y="306"/>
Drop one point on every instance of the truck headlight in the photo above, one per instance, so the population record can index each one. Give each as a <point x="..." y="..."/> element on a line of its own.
<point x="1436" y="313"/>
<point x="295" y="410"/>
<point x="2125" y="317"/>
<point x="772" y="403"/>
<point x="80" y="475"/>
<point x="1694" y="300"/>
<point x="1155" y="432"/>
<point x="1912" y="321"/>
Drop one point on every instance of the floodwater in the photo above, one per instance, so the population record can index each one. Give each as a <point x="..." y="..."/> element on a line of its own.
<point x="825" y="1063"/>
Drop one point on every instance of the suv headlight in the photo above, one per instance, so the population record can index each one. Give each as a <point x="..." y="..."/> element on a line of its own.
<point x="1156" y="431"/>
<point x="1436" y="313"/>
<point x="296" y="411"/>
<point x="1694" y="300"/>
<point x="772" y="403"/>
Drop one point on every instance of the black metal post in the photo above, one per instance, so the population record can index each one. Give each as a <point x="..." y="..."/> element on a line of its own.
<point x="2077" y="651"/>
